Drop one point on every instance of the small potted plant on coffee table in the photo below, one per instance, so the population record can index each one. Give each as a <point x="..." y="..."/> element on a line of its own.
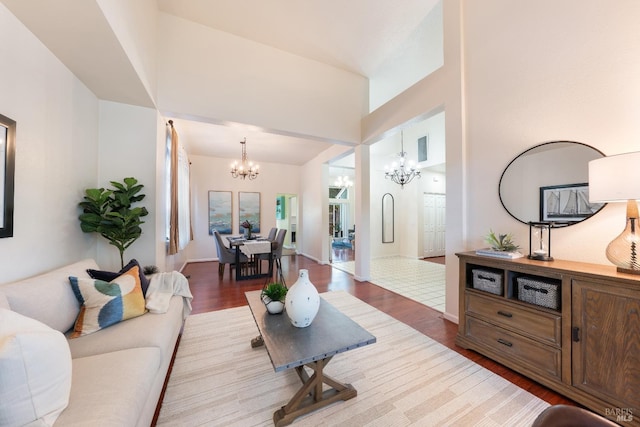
<point x="273" y="297"/>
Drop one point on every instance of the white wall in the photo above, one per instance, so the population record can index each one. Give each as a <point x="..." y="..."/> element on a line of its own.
<point x="543" y="71"/>
<point x="212" y="174"/>
<point x="135" y="25"/>
<point x="56" y="154"/>
<point x="128" y="148"/>
<point x="408" y="201"/>
<point x="412" y="62"/>
<point x="384" y="153"/>
<point x="242" y="81"/>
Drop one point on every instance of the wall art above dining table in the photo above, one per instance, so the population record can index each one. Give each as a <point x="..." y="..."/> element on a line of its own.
<point x="221" y="211"/>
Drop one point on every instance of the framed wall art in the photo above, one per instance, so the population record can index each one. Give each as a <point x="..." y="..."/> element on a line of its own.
<point x="249" y="210"/>
<point x="7" y="172"/>
<point x="220" y="209"/>
<point x="567" y="202"/>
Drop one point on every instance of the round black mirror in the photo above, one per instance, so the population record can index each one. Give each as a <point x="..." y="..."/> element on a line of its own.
<point x="549" y="182"/>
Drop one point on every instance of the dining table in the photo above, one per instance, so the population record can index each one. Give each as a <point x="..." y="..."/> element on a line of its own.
<point x="253" y="249"/>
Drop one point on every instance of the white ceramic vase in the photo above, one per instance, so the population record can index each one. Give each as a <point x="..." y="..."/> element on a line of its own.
<point x="302" y="301"/>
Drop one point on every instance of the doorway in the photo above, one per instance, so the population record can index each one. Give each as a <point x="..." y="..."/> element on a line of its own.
<point x="434" y="226"/>
<point x="287" y="218"/>
<point x="341" y="228"/>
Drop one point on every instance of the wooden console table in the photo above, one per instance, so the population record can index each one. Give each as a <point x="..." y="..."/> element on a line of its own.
<point x="587" y="349"/>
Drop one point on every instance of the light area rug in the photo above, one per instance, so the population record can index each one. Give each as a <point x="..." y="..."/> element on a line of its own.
<point x="419" y="280"/>
<point x="404" y="379"/>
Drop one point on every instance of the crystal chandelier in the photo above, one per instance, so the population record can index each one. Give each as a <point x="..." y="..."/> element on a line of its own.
<point x="343" y="181"/>
<point x="244" y="169"/>
<point x="399" y="172"/>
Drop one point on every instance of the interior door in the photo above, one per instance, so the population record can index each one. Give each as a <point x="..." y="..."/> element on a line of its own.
<point x="434" y="225"/>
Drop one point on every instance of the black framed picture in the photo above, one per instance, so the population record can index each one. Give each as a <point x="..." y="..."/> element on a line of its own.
<point x="567" y="202"/>
<point x="7" y="172"/>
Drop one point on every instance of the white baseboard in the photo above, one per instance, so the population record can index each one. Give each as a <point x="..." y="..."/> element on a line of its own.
<point x="201" y="260"/>
<point x="451" y="318"/>
<point x="312" y="258"/>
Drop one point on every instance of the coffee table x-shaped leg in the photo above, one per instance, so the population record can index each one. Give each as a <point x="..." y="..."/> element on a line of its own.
<point x="311" y="395"/>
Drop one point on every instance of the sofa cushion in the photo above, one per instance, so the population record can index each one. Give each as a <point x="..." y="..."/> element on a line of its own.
<point x="48" y="297"/>
<point x="108" y="276"/>
<point x="111" y="389"/>
<point x="35" y="371"/>
<point x="150" y="330"/>
<point x="106" y="303"/>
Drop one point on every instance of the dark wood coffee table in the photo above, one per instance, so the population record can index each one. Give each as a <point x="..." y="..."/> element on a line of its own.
<point x="313" y="347"/>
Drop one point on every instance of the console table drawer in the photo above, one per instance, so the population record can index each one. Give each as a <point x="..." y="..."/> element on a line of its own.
<point x="528" y="353"/>
<point x="534" y="323"/>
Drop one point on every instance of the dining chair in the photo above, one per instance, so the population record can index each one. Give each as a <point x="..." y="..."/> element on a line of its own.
<point x="226" y="256"/>
<point x="265" y="257"/>
<point x="272" y="233"/>
<point x="277" y="253"/>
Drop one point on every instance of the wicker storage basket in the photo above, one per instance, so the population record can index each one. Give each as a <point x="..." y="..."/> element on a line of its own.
<point x="487" y="281"/>
<point x="538" y="292"/>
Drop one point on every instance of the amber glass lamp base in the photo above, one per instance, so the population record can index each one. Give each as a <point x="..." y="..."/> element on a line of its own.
<point x="623" y="250"/>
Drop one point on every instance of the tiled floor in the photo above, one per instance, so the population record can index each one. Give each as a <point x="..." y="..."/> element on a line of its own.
<point x="419" y="280"/>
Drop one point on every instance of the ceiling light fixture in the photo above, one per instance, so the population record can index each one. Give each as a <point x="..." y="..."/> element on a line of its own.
<point x="244" y="169"/>
<point x="343" y="181"/>
<point x="399" y="172"/>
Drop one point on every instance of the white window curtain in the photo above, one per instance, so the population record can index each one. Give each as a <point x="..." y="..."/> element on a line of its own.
<point x="180" y="199"/>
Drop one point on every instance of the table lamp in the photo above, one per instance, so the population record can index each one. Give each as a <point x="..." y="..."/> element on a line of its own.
<point x="617" y="179"/>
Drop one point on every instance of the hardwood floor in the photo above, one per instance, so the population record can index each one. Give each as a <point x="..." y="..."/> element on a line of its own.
<point x="210" y="293"/>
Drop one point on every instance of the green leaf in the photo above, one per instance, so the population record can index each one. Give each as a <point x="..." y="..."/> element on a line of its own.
<point x="503" y="242"/>
<point x="111" y="214"/>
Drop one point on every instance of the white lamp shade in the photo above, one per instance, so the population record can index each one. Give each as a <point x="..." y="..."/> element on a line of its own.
<point x="615" y="178"/>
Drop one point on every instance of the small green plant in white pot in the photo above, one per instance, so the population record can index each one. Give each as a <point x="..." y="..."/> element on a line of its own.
<point x="273" y="297"/>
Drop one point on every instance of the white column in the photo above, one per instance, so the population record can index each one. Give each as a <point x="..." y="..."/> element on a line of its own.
<point x="363" y="215"/>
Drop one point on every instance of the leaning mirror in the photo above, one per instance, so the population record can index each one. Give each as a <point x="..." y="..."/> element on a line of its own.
<point x="549" y="182"/>
<point x="7" y="165"/>
<point x="387" y="218"/>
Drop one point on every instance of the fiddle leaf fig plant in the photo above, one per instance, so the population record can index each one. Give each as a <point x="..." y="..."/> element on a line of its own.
<point x="110" y="213"/>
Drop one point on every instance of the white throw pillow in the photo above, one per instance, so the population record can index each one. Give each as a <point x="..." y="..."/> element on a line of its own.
<point x="35" y="371"/>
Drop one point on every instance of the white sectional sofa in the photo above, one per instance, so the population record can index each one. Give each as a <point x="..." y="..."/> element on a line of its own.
<point x="117" y="373"/>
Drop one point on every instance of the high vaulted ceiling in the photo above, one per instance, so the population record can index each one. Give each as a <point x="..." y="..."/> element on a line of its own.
<point x="354" y="35"/>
